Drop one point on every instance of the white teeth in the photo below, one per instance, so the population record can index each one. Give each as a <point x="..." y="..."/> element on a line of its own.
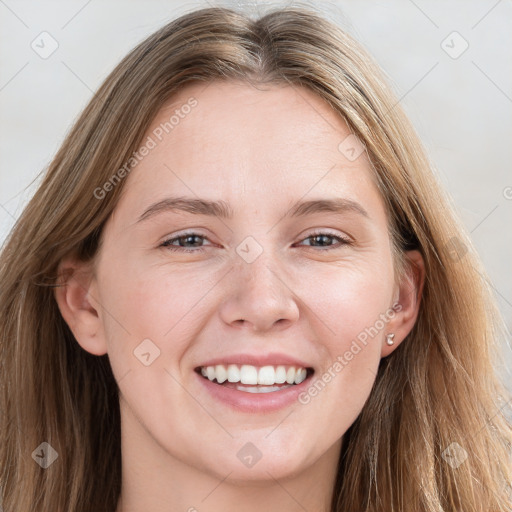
<point x="280" y="375"/>
<point x="221" y="373"/>
<point x="266" y="375"/>
<point x="233" y="373"/>
<point x="301" y="375"/>
<point x="248" y="374"/>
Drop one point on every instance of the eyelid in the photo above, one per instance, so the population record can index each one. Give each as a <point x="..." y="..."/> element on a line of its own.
<point x="174" y="237"/>
<point x="328" y="231"/>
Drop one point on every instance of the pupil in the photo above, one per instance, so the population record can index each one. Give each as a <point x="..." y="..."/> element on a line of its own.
<point x="324" y="238"/>
<point x="189" y="237"/>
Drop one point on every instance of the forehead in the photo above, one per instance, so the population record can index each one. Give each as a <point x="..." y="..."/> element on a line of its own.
<point x="232" y="140"/>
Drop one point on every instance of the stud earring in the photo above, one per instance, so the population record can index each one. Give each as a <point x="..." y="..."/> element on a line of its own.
<point x="389" y="339"/>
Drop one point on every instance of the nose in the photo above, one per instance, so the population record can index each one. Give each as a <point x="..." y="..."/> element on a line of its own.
<point x="260" y="296"/>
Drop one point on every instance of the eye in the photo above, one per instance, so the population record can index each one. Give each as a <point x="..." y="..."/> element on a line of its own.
<point x="186" y="238"/>
<point x="323" y="238"/>
<point x="194" y="238"/>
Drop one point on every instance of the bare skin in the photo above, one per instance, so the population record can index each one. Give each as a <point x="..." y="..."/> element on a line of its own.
<point x="261" y="150"/>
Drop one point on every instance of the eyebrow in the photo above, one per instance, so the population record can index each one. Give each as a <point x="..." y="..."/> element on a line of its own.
<point x="223" y="210"/>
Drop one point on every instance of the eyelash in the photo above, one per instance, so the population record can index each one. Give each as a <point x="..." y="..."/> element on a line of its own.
<point x="343" y="241"/>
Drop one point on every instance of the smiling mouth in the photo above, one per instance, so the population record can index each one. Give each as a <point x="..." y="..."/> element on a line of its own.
<point x="252" y="379"/>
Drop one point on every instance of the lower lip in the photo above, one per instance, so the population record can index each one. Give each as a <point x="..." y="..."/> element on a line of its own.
<point x="255" y="402"/>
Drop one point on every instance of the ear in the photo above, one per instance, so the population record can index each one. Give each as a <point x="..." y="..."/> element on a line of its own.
<point x="75" y="297"/>
<point x="407" y="305"/>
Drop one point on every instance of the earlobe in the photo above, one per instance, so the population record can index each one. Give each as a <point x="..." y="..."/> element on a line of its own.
<point x="77" y="306"/>
<point x="409" y="298"/>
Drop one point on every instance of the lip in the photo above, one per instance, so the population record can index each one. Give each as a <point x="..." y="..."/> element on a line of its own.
<point x="243" y="401"/>
<point x="273" y="359"/>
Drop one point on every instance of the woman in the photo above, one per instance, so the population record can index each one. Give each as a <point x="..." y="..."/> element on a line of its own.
<point x="319" y="345"/>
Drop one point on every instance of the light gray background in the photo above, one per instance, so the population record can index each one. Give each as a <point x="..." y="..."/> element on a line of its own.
<point x="461" y="107"/>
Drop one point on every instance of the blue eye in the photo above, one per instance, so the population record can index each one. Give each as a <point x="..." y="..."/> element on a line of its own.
<point x="193" y="238"/>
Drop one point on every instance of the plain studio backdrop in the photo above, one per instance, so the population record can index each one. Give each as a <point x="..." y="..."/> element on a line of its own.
<point x="449" y="63"/>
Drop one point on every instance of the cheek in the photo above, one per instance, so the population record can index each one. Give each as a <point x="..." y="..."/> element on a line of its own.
<point x="353" y="307"/>
<point x="351" y="300"/>
<point x="164" y="306"/>
<point x="153" y="317"/>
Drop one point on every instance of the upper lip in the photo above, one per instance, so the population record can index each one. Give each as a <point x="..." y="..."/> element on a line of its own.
<point x="272" y="359"/>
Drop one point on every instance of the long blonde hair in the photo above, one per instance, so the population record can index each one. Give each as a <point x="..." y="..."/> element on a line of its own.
<point x="435" y="393"/>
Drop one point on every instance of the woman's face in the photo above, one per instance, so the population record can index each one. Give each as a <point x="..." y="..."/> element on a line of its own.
<point x="258" y="279"/>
